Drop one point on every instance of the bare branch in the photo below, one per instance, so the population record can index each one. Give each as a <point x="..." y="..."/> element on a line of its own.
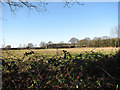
<point x="72" y="2"/>
<point x="38" y="6"/>
<point x="41" y="7"/>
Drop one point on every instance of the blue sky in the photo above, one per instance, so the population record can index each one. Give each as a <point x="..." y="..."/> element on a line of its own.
<point x="58" y="23"/>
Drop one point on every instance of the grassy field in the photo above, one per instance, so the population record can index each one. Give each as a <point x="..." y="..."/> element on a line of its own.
<point x="19" y="54"/>
<point x="75" y="68"/>
<point x="105" y="50"/>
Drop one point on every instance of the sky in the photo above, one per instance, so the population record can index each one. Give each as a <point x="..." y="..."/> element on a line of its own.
<point x="58" y="23"/>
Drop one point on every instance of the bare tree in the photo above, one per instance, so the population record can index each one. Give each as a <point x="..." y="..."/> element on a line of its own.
<point x="115" y="34"/>
<point x="40" y="6"/>
<point x="20" y="45"/>
<point x="30" y="46"/>
<point x="42" y="44"/>
<point x="74" y="40"/>
<point x="87" y="41"/>
<point x="61" y="42"/>
<point x="3" y="43"/>
<point x="24" y="45"/>
<point x="50" y="43"/>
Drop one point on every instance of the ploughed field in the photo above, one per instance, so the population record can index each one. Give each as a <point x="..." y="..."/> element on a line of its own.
<point x="61" y="68"/>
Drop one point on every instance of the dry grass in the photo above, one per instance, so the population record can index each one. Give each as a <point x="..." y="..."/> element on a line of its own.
<point x="19" y="53"/>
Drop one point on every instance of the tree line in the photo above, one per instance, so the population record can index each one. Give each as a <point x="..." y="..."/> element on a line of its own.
<point x="99" y="42"/>
<point x="104" y="41"/>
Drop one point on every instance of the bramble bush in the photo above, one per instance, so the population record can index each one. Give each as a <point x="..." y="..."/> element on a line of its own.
<point x="84" y="70"/>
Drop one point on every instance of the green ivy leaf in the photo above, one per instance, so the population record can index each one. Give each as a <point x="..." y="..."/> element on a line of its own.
<point x="76" y="86"/>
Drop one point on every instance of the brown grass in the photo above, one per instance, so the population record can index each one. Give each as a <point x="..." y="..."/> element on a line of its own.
<point x="19" y="53"/>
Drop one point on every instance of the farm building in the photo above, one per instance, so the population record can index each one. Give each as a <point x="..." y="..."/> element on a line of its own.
<point x="60" y="46"/>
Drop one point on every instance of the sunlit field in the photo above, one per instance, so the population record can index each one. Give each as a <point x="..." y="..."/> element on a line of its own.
<point x="19" y="54"/>
<point x="71" y="67"/>
<point x="105" y="50"/>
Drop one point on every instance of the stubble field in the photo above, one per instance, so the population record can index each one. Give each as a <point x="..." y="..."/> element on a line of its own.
<point x="104" y="50"/>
